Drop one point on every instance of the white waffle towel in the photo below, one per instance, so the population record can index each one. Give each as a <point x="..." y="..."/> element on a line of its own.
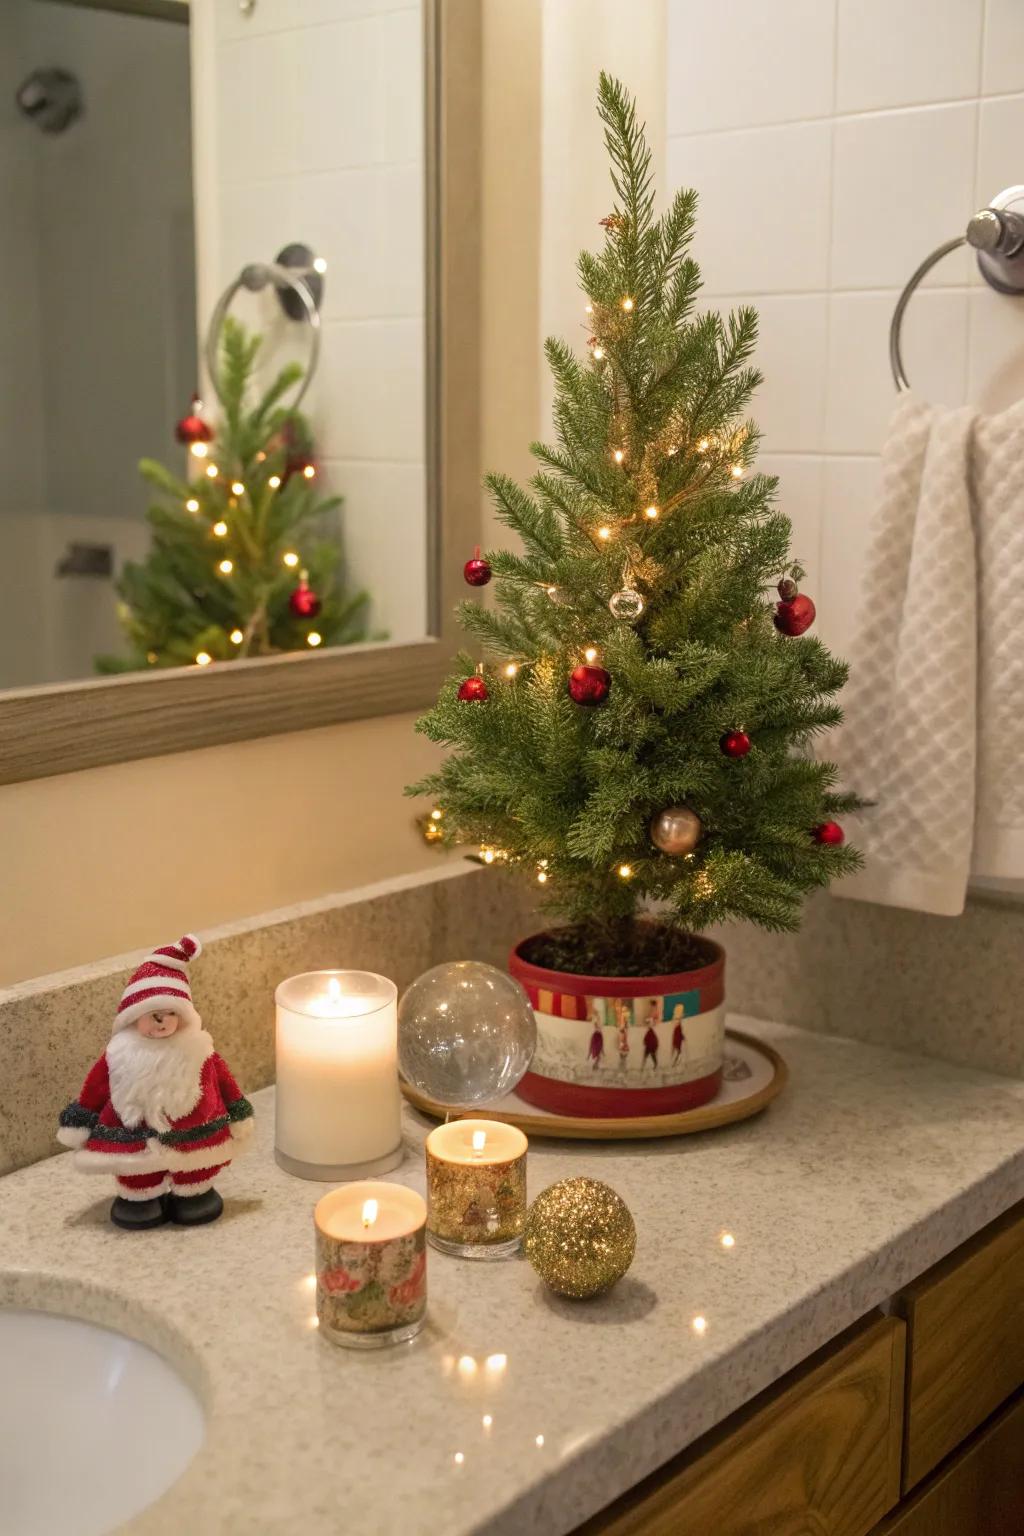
<point x="934" y="730"/>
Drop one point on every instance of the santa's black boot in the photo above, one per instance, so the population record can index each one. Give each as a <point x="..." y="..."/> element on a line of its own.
<point x="195" y="1210"/>
<point x="137" y="1215"/>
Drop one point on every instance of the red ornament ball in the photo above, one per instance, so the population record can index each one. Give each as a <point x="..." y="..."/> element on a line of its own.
<point x="192" y="428"/>
<point x="304" y="602"/>
<point x="830" y="833"/>
<point x="589" y="685"/>
<point x="794" y="616"/>
<point x="474" y="689"/>
<point x="477" y="571"/>
<point x="735" y="743"/>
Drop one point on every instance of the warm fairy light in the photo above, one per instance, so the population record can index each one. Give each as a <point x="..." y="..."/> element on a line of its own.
<point x="542" y="877"/>
<point x="236" y="637"/>
<point x="703" y="445"/>
<point x="319" y="265"/>
<point x="588" y="309"/>
<point x="314" y="638"/>
<point x="591" y="653"/>
<point x="203" y="658"/>
<point x="538" y="1440"/>
<point x="487" y="1420"/>
<point x="511" y="669"/>
<point x="479" y="1141"/>
<point x="309" y="471"/>
<point x="727" y="1240"/>
<point x="458" y="1458"/>
<point x="274" y="482"/>
<point x="651" y="512"/>
<point x="672" y="450"/>
<point x="496" y="1364"/>
<point x="436" y="814"/>
<point x="604" y="532"/>
<point x="212" y="471"/>
<point x="260" y="456"/>
<point x="737" y="471"/>
<point x="191" y="505"/>
<point x="199" y="450"/>
<point x="597" y="352"/>
<point x="699" y="1324"/>
<point x="488" y="855"/>
<point x="370" y="1209"/>
<point x="627" y="305"/>
<point x="466" y="1365"/>
<point x="308" y="1282"/>
<point x="237" y="488"/>
<point x="625" y="871"/>
<point x="226" y="567"/>
<point x="618" y="455"/>
<point x="552" y="592"/>
<point x="220" y="529"/>
<point x="290" y="557"/>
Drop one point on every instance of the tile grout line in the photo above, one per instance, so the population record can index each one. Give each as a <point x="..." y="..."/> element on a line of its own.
<point x="848" y="117"/>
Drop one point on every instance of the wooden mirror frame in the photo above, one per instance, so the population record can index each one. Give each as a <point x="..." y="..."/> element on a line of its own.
<point x="64" y="727"/>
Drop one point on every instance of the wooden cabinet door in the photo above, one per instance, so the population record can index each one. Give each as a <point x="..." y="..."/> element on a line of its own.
<point x="818" y="1457"/>
<point x="965" y="1343"/>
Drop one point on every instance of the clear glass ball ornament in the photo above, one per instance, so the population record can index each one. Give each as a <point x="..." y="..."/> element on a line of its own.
<point x="466" y="1033"/>
<point x="627" y="604"/>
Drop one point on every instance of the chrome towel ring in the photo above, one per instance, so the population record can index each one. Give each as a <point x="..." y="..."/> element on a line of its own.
<point x="297" y="276"/>
<point x="997" y="234"/>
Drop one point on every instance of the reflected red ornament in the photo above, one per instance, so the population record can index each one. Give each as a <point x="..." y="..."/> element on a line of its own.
<point x="304" y="602"/>
<point x="477" y="571"/>
<point x="589" y="685"/>
<point x="473" y="690"/>
<point x="829" y="833"/>
<point x="735" y="743"/>
<point x="794" y="616"/>
<point x="192" y="428"/>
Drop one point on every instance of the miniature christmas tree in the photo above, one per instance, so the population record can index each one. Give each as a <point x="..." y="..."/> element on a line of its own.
<point x="245" y="558"/>
<point x="641" y="728"/>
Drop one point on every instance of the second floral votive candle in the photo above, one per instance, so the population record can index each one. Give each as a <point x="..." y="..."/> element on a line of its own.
<point x="371" y="1264"/>
<point x="476" y="1188"/>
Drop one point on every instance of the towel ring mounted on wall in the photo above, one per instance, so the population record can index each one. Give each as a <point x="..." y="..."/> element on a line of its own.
<point x="997" y="234"/>
<point x="297" y="276"/>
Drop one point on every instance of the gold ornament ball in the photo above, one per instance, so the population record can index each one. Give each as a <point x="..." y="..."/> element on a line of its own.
<point x="676" y="830"/>
<point x="580" y="1237"/>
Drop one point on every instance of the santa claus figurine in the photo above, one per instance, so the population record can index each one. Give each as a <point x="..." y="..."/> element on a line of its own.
<point x="160" y="1110"/>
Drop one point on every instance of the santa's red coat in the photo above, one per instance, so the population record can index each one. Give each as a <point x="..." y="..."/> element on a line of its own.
<point x="199" y="1139"/>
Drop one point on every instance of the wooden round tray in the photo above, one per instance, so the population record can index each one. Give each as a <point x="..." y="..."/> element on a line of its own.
<point x="753" y="1075"/>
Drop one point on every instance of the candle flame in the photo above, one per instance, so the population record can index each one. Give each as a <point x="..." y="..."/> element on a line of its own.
<point x="370" y="1209"/>
<point x="479" y="1140"/>
<point x="334" y="989"/>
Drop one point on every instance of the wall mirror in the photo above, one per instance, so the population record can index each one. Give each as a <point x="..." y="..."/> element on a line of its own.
<point x="184" y="180"/>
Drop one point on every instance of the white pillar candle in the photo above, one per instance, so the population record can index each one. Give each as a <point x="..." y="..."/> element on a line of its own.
<point x="338" y="1101"/>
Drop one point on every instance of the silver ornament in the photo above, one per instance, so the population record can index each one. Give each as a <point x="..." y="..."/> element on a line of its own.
<point x="627" y="604"/>
<point x="676" y="830"/>
<point x="466" y="1033"/>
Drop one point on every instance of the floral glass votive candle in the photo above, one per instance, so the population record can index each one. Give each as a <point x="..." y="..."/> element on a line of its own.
<point x="476" y="1188"/>
<point x="371" y="1264"/>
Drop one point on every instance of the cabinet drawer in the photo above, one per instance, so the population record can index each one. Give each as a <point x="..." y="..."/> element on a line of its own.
<point x="979" y="1492"/>
<point x="821" y="1454"/>
<point x="965" y="1343"/>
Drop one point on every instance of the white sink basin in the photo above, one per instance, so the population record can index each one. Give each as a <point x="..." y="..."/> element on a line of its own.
<point x="93" y="1426"/>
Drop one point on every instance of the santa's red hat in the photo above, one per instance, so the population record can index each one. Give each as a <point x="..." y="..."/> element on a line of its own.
<point x="161" y="982"/>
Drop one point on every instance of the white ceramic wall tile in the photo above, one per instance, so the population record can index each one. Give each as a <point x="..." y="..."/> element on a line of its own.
<point x="903" y="183"/>
<point x="285" y="15"/>
<point x="791" y="347"/>
<point x="860" y="394"/>
<point x="996" y="350"/>
<point x="851" y="488"/>
<point x="365" y="224"/>
<point x="259" y="81"/>
<point x="371" y="399"/>
<point x="895" y="53"/>
<point x="800" y="496"/>
<point x="1003" y="59"/>
<point x="762" y="224"/>
<point x="385" y="528"/>
<point x="361" y="93"/>
<point x="1000" y="144"/>
<point x="776" y="62"/>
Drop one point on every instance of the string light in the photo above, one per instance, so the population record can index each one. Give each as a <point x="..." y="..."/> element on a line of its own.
<point x="191" y="505"/>
<point x="319" y="265"/>
<point x="737" y="471"/>
<point x="226" y="567"/>
<point x="212" y="471"/>
<point x="604" y="532"/>
<point x="672" y="450"/>
<point x="597" y="353"/>
<point x="199" y="450"/>
<point x="203" y="658"/>
<point x="236" y="637"/>
<point x="290" y="557"/>
<point x="274" y="482"/>
<point x="699" y="1324"/>
<point x="627" y="305"/>
<point x="314" y="638"/>
<point x="703" y="445"/>
<point x="220" y="529"/>
<point x="237" y="488"/>
<point x="260" y="456"/>
<point x="651" y="512"/>
<point x="309" y="470"/>
<point x="588" y="309"/>
<point x="625" y="871"/>
<point x="618" y="455"/>
<point x="542" y="877"/>
<point x="511" y="669"/>
<point x="487" y="1420"/>
<point x="727" y="1240"/>
<point x="436" y="813"/>
<point x="488" y="855"/>
<point x="590" y="654"/>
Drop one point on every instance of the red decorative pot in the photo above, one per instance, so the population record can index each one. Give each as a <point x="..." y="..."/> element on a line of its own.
<point x="623" y="1046"/>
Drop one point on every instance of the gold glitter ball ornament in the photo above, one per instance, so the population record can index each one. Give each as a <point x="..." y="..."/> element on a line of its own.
<point x="676" y="830"/>
<point x="580" y="1237"/>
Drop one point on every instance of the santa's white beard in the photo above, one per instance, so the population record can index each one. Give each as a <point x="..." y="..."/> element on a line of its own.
<point x="156" y="1080"/>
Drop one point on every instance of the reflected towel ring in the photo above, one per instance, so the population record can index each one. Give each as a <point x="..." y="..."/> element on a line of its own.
<point x="997" y="234"/>
<point x="297" y="275"/>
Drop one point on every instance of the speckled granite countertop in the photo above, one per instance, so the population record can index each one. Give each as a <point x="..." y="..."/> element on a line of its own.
<point x="868" y="1169"/>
